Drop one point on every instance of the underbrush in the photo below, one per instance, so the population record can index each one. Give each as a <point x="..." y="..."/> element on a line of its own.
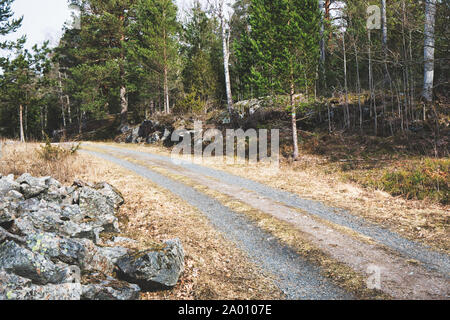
<point x="424" y="179"/>
<point x="41" y="160"/>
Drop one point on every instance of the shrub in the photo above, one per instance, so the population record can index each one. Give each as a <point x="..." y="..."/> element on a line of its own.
<point x="49" y="152"/>
<point x="427" y="179"/>
<point x="191" y="103"/>
<point x="41" y="160"/>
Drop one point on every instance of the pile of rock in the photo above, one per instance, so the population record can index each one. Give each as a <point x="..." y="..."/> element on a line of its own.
<point x="51" y="244"/>
<point x="149" y="132"/>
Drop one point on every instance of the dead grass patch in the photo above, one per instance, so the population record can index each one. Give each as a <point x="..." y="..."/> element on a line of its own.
<point x="18" y="158"/>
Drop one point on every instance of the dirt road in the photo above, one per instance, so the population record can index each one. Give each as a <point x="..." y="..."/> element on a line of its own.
<point x="401" y="268"/>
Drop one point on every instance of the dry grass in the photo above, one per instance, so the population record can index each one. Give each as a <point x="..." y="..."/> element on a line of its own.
<point x="311" y="178"/>
<point x="19" y="158"/>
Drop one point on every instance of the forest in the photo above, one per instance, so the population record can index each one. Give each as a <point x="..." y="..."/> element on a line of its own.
<point x="334" y="183"/>
<point x="368" y="67"/>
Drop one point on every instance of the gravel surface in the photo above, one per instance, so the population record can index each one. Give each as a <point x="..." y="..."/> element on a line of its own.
<point x="431" y="259"/>
<point x="296" y="277"/>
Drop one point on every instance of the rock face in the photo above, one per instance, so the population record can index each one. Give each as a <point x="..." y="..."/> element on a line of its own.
<point x="50" y="235"/>
<point x="150" y="132"/>
<point x="154" y="269"/>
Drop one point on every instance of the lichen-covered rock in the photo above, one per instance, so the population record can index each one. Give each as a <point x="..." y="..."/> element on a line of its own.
<point x="114" y="253"/>
<point x="54" y="222"/>
<point x="154" y="269"/>
<point x="15" y="195"/>
<point x="8" y="209"/>
<point x="109" y="289"/>
<point x="7" y="184"/>
<point x="99" y="208"/>
<point x="58" y="248"/>
<point x="111" y="193"/>
<point x="94" y="259"/>
<point x="13" y="287"/>
<point x="31" y="186"/>
<point x="29" y="264"/>
<point x="53" y="237"/>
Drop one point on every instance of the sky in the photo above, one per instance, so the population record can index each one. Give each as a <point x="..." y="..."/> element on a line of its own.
<point x="44" y="19"/>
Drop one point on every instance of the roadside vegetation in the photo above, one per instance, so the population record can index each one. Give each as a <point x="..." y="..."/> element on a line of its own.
<point x="60" y="162"/>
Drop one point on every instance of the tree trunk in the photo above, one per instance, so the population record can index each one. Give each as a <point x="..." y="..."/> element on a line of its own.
<point x="166" y="92"/>
<point x="322" y="31"/>
<point x="61" y="100"/>
<point x="358" y="86"/>
<point x="294" y="122"/>
<point x="69" y="114"/>
<point x="22" y="135"/>
<point x="371" y="84"/>
<point x="347" y="111"/>
<point x="166" y="75"/>
<point x="123" y="89"/>
<point x="124" y="105"/>
<point x="226" y="61"/>
<point x="428" y="56"/>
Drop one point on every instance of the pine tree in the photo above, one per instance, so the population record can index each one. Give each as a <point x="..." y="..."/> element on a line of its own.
<point x="7" y="25"/>
<point x="24" y="88"/>
<point x="102" y="52"/>
<point x="153" y="44"/>
<point x="284" y="41"/>
<point x="202" y="72"/>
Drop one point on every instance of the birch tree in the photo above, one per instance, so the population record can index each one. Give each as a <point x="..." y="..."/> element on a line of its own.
<point x="428" y="55"/>
<point x="218" y="8"/>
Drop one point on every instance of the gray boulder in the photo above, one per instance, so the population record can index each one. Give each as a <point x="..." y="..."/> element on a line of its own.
<point x="54" y="222"/>
<point x="9" y="209"/>
<point x="31" y="187"/>
<point x="30" y="264"/>
<point x="15" y="195"/>
<point x="109" y="289"/>
<point x="111" y="193"/>
<point x="82" y="253"/>
<point x="154" y="137"/>
<point x="7" y="184"/>
<point x="114" y="253"/>
<point x="134" y="135"/>
<point x="154" y="269"/>
<point x="56" y="248"/>
<point x="13" y="287"/>
<point x="100" y="208"/>
<point x="94" y="258"/>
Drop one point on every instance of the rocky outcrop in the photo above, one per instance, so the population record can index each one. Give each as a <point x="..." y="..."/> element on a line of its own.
<point x="51" y="244"/>
<point x="150" y="132"/>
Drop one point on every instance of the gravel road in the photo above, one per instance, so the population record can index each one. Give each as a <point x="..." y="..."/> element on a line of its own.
<point x="296" y="277"/>
<point x="430" y="259"/>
